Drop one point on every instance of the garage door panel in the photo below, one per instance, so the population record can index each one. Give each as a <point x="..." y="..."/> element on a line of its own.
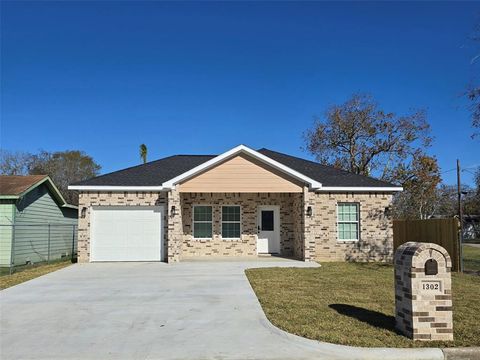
<point x="127" y="234"/>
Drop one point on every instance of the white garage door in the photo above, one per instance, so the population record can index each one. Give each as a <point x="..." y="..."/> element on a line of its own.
<point x="127" y="233"/>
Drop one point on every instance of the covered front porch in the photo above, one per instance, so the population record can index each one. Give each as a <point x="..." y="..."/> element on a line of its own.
<point x="239" y="204"/>
<point x="241" y="225"/>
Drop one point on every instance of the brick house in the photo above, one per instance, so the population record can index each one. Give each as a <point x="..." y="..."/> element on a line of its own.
<point x="240" y="203"/>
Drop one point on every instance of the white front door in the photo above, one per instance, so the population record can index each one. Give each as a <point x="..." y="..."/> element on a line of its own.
<point x="126" y="233"/>
<point x="268" y="225"/>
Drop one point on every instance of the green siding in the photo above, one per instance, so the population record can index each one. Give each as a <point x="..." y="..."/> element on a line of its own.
<point x="7" y="214"/>
<point x="34" y="212"/>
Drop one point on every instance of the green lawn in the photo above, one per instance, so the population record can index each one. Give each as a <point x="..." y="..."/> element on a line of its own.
<point x="471" y="258"/>
<point x="30" y="273"/>
<point x="353" y="304"/>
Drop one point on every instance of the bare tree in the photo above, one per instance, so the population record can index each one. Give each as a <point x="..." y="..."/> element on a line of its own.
<point x="473" y="90"/>
<point x="359" y="137"/>
<point x="14" y="162"/>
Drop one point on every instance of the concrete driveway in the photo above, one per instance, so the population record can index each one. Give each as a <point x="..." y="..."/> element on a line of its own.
<point x="191" y="310"/>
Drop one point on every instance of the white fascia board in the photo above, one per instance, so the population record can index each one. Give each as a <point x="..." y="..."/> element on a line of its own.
<point x="236" y="150"/>
<point x="360" y="189"/>
<point x="70" y="206"/>
<point x="116" y="188"/>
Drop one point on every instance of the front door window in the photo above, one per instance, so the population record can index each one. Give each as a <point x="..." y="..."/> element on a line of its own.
<point x="267" y="220"/>
<point x="268" y="241"/>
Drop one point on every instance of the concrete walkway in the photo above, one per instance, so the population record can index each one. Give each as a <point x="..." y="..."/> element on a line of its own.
<point x="191" y="310"/>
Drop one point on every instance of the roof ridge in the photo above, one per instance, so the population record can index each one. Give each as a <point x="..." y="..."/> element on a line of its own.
<point x="310" y="161"/>
<point x="24" y="176"/>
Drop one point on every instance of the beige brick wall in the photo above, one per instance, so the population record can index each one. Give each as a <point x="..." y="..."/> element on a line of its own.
<point x="246" y="245"/>
<point x="376" y="232"/>
<point x="298" y="227"/>
<point x="175" y="220"/>
<point x="88" y="199"/>
<point x="309" y="238"/>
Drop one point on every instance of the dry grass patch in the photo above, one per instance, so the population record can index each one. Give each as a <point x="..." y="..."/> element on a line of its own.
<point x="30" y="273"/>
<point x="353" y="304"/>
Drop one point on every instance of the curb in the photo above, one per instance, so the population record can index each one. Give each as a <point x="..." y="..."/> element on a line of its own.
<point x="336" y="351"/>
<point x="465" y="353"/>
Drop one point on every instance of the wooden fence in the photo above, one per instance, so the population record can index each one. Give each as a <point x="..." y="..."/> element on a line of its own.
<point x="443" y="232"/>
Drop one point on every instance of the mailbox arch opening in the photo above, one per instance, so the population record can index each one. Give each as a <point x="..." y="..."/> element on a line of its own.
<point x="431" y="267"/>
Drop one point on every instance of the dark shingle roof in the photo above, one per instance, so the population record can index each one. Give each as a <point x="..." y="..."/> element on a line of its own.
<point x="157" y="172"/>
<point x="153" y="173"/>
<point x="326" y="175"/>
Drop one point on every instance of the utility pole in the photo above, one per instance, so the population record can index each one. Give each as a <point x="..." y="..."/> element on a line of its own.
<point x="460" y="214"/>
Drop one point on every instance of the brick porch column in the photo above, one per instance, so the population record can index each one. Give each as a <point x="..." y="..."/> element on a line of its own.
<point x="309" y="228"/>
<point x="175" y="231"/>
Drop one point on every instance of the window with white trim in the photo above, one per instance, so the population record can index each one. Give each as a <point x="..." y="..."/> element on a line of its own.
<point x="202" y="222"/>
<point x="231" y="222"/>
<point x="348" y="221"/>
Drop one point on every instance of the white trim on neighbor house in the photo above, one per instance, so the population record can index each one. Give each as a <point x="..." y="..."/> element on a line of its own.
<point x="116" y="188"/>
<point x="70" y="206"/>
<point x="359" y="188"/>
<point x="235" y="151"/>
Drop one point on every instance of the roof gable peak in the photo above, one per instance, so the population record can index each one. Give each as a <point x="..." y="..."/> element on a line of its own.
<point x="313" y="184"/>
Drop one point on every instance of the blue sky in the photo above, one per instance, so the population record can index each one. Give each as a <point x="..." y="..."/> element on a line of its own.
<point x="105" y="77"/>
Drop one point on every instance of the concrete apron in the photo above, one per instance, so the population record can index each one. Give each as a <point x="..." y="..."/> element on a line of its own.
<point x="190" y="310"/>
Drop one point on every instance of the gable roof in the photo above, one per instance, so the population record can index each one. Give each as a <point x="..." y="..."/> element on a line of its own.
<point x="15" y="186"/>
<point x="245" y="150"/>
<point x="164" y="173"/>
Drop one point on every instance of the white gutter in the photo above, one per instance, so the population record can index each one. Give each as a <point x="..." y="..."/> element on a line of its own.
<point x="359" y="189"/>
<point x="116" y="188"/>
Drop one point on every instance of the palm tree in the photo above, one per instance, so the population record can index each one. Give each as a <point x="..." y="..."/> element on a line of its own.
<point x="143" y="153"/>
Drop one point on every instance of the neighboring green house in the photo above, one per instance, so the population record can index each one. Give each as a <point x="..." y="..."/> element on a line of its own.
<point x="35" y="221"/>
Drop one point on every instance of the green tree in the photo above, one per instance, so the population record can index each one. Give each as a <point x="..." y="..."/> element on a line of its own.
<point x="143" y="153"/>
<point x="64" y="168"/>
<point x="420" y="180"/>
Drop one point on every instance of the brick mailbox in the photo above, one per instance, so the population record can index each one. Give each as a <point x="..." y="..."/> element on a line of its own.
<point x="423" y="291"/>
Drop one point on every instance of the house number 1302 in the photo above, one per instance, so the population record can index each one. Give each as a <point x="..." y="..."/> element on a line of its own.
<point x="427" y="286"/>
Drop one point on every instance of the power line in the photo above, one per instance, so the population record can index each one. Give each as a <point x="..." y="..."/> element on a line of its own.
<point x="471" y="172"/>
